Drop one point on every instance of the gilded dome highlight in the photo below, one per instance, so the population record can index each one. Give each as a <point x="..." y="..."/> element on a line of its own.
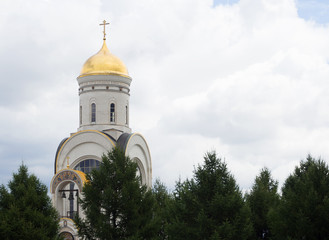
<point x="104" y="63"/>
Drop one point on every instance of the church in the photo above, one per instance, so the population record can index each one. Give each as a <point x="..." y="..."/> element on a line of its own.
<point x="104" y="91"/>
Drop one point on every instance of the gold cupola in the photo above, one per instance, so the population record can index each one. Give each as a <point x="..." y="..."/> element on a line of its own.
<point x="104" y="63"/>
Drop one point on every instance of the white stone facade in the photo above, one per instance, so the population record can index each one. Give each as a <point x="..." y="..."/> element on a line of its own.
<point x="101" y="127"/>
<point x="104" y="90"/>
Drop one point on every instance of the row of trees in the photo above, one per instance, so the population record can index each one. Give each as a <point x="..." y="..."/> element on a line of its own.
<point x="210" y="205"/>
<point x="302" y="209"/>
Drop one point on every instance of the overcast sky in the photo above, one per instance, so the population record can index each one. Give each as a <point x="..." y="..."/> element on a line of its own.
<point x="246" y="78"/>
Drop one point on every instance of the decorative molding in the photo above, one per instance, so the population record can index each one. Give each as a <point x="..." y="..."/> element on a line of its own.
<point x="67" y="175"/>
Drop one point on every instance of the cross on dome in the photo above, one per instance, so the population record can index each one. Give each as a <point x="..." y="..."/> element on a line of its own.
<point x="103" y="24"/>
<point x="103" y="62"/>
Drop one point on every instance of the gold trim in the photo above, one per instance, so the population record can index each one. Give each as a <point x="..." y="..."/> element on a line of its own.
<point x="129" y="142"/>
<point x="81" y="175"/>
<point x="104" y="74"/>
<point x="64" y="218"/>
<point x="149" y="153"/>
<point x="144" y="141"/>
<point x="90" y="130"/>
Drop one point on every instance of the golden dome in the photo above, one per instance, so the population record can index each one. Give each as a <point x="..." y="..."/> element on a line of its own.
<point x="103" y="63"/>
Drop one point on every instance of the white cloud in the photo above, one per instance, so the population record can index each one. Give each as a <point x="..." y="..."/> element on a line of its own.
<point x="249" y="80"/>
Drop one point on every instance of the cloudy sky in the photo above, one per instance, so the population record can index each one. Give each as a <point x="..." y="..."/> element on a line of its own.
<point x="246" y="78"/>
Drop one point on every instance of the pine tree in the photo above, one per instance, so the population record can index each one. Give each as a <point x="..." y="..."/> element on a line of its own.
<point x="116" y="206"/>
<point x="304" y="209"/>
<point x="263" y="199"/>
<point x="26" y="211"/>
<point x="161" y="211"/>
<point x="210" y="206"/>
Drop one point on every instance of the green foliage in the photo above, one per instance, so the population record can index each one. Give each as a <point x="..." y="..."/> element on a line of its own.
<point x="161" y="212"/>
<point x="116" y="206"/>
<point x="262" y="200"/>
<point x="210" y="206"/>
<point x="304" y="210"/>
<point x="26" y="211"/>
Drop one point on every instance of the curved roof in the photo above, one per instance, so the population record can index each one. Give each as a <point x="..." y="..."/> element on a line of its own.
<point x="66" y="140"/>
<point x="123" y="141"/>
<point x="104" y="63"/>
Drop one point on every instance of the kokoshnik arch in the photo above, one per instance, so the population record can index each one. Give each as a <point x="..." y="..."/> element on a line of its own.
<point x="104" y="90"/>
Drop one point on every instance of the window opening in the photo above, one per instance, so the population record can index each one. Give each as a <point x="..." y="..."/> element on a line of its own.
<point x="126" y="114"/>
<point x="112" y="112"/>
<point x="88" y="165"/>
<point x="93" y="112"/>
<point x="80" y="115"/>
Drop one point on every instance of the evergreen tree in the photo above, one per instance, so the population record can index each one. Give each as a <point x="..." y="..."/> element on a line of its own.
<point x="26" y="211"/>
<point x="161" y="211"/>
<point x="304" y="210"/>
<point x="116" y="206"/>
<point x="210" y="206"/>
<point x="262" y="199"/>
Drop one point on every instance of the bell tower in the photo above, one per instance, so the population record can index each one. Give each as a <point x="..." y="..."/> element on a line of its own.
<point x="104" y="91"/>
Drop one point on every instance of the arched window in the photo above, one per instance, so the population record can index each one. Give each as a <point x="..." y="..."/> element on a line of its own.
<point x="80" y="115"/>
<point x="112" y="112"/>
<point x="66" y="235"/>
<point x="126" y="114"/>
<point x="93" y="112"/>
<point x="87" y="165"/>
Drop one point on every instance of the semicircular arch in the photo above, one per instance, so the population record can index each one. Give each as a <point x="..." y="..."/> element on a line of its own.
<point x="80" y="144"/>
<point x="67" y="175"/>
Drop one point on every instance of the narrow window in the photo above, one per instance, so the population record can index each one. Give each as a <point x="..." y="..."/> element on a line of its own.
<point x="112" y="112"/>
<point x="126" y="114"/>
<point x="93" y="112"/>
<point x="80" y="115"/>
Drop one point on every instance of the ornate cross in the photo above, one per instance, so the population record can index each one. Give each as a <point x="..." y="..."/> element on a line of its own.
<point x="104" y="23"/>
